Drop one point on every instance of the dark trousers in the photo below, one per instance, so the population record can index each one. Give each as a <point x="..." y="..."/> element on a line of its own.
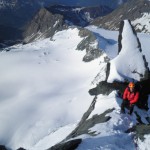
<point x="126" y="104"/>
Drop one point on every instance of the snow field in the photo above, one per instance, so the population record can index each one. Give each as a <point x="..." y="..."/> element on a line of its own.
<point x="44" y="86"/>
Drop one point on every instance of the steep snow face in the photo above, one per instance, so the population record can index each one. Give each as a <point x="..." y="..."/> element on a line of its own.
<point x="142" y="23"/>
<point x="129" y="64"/>
<point x="44" y="86"/>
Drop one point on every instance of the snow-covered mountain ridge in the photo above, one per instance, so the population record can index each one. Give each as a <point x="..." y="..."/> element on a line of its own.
<point x="135" y="10"/>
<point x="103" y="119"/>
<point x="45" y="94"/>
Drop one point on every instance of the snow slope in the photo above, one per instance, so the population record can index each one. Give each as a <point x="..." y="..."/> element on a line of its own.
<point x="41" y="86"/>
<point x="107" y="40"/>
<point x="44" y="93"/>
<point x="129" y="64"/>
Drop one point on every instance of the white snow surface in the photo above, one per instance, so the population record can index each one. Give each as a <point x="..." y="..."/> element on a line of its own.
<point x="107" y="40"/>
<point x="142" y="23"/>
<point x="44" y="93"/>
<point x="44" y="86"/>
<point x="129" y="64"/>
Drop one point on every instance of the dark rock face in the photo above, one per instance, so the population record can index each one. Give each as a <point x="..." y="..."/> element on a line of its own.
<point x="70" y="145"/>
<point x="106" y="88"/>
<point x="83" y="128"/>
<point x="43" y="25"/>
<point x="84" y="118"/>
<point x="79" y="16"/>
<point x="132" y="10"/>
<point x="89" y="38"/>
<point x="2" y="147"/>
<point x="142" y="130"/>
<point x="21" y="148"/>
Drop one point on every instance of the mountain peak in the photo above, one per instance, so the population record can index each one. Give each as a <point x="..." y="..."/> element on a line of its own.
<point x="135" y="10"/>
<point x="125" y="66"/>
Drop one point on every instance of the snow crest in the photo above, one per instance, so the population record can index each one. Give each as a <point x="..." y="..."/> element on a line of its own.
<point x="129" y="64"/>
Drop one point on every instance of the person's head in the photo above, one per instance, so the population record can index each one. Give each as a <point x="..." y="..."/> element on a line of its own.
<point x="131" y="86"/>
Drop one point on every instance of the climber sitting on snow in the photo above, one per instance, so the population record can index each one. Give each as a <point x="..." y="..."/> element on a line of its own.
<point x="130" y="97"/>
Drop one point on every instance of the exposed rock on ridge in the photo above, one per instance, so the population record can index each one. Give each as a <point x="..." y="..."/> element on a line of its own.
<point x="133" y="10"/>
<point x="43" y="25"/>
<point x="90" y="44"/>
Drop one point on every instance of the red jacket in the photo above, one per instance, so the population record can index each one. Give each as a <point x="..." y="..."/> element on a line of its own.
<point x="132" y="97"/>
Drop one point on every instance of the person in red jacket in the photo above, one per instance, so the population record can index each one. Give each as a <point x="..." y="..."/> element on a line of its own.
<point x="130" y="97"/>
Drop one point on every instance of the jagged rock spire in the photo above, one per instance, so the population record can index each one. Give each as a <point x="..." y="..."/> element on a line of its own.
<point x="130" y="64"/>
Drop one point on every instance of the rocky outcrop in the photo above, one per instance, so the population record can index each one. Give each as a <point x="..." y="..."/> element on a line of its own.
<point x="69" y="145"/>
<point x="134" y="10"/>
<point x="106" y="88"/>
<point x="43" y="25"/>
<point x="83" y="128"/>
<point x="142" y="130"/>
<point x="2" y="147"/>
<point x="90" y="44"/>
<point x="21" y="148"/>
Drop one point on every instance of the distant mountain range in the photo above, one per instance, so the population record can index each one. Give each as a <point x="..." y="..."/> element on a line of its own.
<point x="138" y="11"/>
<point x="16" y="13"/>
<point x="37" y="18"/>
<point x="80" y="16"/>
<point x="16" y="16"/>
<point x="51" y="19"/>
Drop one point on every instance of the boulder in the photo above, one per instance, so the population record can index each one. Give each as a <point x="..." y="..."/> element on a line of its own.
<point x="90" y="44"/>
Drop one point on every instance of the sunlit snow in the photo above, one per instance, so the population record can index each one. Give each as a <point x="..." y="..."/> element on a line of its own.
<point x="44" y="92"/>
